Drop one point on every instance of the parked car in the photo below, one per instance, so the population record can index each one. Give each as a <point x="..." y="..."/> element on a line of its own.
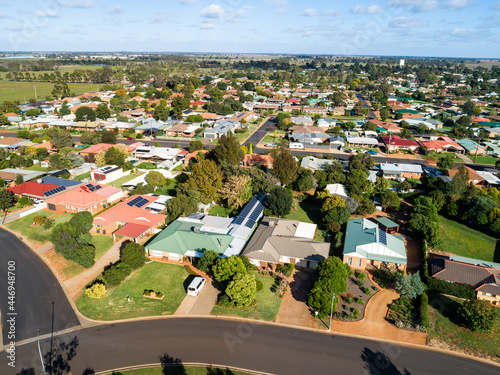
<point x="350" y="150"/>
<point x="196" y="285"/>
<point x="362" y="151"/>
<point x="271" y="145"/>
<point x="372" y="152"/>
<point x="130" y="139"/>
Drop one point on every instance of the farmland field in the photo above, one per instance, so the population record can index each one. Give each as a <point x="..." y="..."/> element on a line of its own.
<point x="13" y="90"/>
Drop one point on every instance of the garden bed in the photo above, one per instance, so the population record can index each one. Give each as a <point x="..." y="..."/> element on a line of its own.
<point x="352" y="303"/>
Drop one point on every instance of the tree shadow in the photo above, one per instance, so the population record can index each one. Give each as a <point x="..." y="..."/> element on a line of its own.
<point x="219" y="371"/>
<point x="171" y="365"/>
<point x="57" y="360"/>
<point x="301" y="285"/>
<point x="379" y="363"/>
<point x="496" y="254"/>
<point x="446" y="306"/>
<point x="27" y="371"/>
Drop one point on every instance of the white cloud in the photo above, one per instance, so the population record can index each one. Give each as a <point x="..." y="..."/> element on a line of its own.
<point x="2" y="15"/>
<point x="49" y="13"/>
<point x="207" y="26"/>
<point x="117" y="9"/>
<point x="460" y="31"/>
<point x="280" y="5"/>
<point x="457" y="4"/>
<point x="372" y="9"/>
<point x="310" y="12"/>
<point x="212" y="11"/>
<point x="417" y="6"/>
<point x="406" y="22"/>
<point x="81" y="3"/>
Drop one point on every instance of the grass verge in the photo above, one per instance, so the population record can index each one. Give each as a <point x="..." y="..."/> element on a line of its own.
<point x="36" y="234"/>
<point x="184" y="370"/>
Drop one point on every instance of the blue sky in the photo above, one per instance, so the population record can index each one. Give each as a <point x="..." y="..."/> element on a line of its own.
<point x="455" y="28"/>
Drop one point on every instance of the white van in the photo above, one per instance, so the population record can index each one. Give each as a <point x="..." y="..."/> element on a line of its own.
<point x="196" y="285"/>
<point x="296" y="145"/>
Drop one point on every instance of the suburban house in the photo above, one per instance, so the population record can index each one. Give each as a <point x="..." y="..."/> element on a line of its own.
<point x="280" y="241"/>
<point x="302" y="120"/>
<point x="396" y="143"/>
<point x="191" y="236"/>
<point x="90" y="197"/>
<point x="471" y="147"/>
<point x="158" y="154"/>
<point x="220" y="128"/>
<point x="36" y="189"/>
<point x="367" y="245"/>
<point x="361" y="142"/>
<point x="445" y="144"/>
<point x="12" y="144"/>
<point x="474" y="176"/>
<point x="336" y="189"/>
<point x="130" y="218"/>
<point x="256" y="160"/>
<point x="315" y="110"/>
<point x="483" y="276"/>
<point x="9" y="175"/>
<point x="90" y="153"/>
<point x="398" y="171"/>
<point x="314" y="164"/>
<point x="107" y="174"/>
<point x="182" y="130"/>
<point x="302" y="136"/>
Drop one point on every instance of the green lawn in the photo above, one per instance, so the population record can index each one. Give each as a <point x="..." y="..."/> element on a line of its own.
<point x="38" y="168"/>
<point x="267" y="308"/>
<point x="242" y="136"/>
<point x="308" y="211"/>
<point x="270" y="139"/>
<point x="169" y="279"/>
<point x="220" y="211"/>
<point x="38" y="234"/>
<point x="146" y="165"/>
<point x="118" y="183"/>
<point x="82" y="176"/>
<point x="444" y="326"/>
<point x="102" y="244"/>
<point x="484" y="159"/>
<point x="185" y="370"/>
<point x="459" y="239"/>
<point x="435" y="156"/>
<point x="12" y="90"/>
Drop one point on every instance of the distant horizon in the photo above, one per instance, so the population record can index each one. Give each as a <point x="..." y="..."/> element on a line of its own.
<point x="124" y="52"/>
<point x="421" y="28"/>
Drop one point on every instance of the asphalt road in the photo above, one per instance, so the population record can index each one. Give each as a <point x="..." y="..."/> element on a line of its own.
<point x="361" y="98"/>
<point x="261" y="132"/>
<point x="267" y="348"/>
<point x="36" y="288"/>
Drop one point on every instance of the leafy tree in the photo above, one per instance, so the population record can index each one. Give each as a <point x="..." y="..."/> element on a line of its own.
<point x="405" y="185"/>
<point x="64" y="111"/>
<point x="102" y="111"/>
<point x="181" y="205"/>
<point x="73" y="244"/>
<point x="332" y="278"/>
<point x="236" y="191"/>
<point x="225" y="268"/>
<point x="332" y="202"/>
<point x="108" y="136"/>
<point x="390" y="200"/>
<point x="60" y="138"/>
<point x="438" y="198"/>
<point x="7" y="200"/>
<point x="445" y="162"/>
<point x="24" y="134"/>
<point x="82" y="221"/>
<point x="206" y="177"/>
<point x="357" y="182"/>
<point x="478" y="315"/>
<point x="361" y="161"/>
<point x="381" y="185"/>
<point x="85" y="114"/>
<point x="457" y="188"/>
<point x="155" y="179"/>
<point x="19" y="179"/>
<point x="195" y="145"/>
<point x="478" y="206"/>
<point x="469" y="107"/>
<point x="90" y="138"/>
<point x="133" y="255"/>
<point x="305" y="180"/>
<point x="279" y="201"/>
<point x="422" y="227"/>
<point x="338" y="214"/>
<point x="114" y="156"/>
<point x="116" y="273"/>
<point x="228" y="150"/>
<point x="285" y="166"/>
<point x="410" y="286"/>
<point x="242" y="290"/>
<point x="207" y="261"/>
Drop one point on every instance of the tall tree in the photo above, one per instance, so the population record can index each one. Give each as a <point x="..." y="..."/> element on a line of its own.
<point x="285" y="166"/>
<point x="236" y="191"/>
<point x="206" y="177"/>
<point x="228" y="150"/>
<point x="279" y="201"/>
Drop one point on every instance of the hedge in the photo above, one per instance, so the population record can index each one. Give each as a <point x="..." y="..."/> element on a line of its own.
<point x="453" y="289"/>
<point x="424" y="310"/>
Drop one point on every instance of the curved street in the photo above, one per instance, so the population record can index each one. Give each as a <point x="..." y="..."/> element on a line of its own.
<point x="262" y="347"/>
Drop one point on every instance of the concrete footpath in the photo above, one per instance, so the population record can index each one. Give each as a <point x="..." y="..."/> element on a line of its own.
<point x="76" y="283"/>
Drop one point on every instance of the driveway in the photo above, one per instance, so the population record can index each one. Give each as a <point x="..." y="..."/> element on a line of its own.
<point x="261" y="132"/>
<point x="294" y="309"/>
<point x="201" y="304"/>
<point x="40" y="302"/>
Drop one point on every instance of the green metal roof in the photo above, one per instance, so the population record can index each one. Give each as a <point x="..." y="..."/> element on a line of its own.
<point x="364" y="239"/>
<point x="181" y="236"/>
<point x="386" y="222"/>
<point x="407" y="111"/>
<point x="468" y="144"/>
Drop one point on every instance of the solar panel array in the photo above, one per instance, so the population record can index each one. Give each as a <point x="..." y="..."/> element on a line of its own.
<point x="93" y="187"/>
<point x="138" y="202"/>
<point x="382" y="237"/>
<point x="54" y="191"/>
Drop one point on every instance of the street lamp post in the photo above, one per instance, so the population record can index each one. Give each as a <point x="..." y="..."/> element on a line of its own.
<point x="39" y="351"/>
<point x="331" y="313"/>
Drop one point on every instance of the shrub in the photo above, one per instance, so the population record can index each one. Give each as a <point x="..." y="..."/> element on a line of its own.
<point x="424" y="310"/>
<point x="49" y="223"/>
<point x="223" y="301"/>
<point x="360" y="301"/>
<point x="383" y="277"/>
<point x="147" y="292"/>
<point x="116" y="273"/>
<point x="367" y="291"/>
<point x="348" y="300"/>
<point x="360" y="283"/>
<point x="285" y="269"/>
<point x="259" y="285"/>
<point x="361" y="276"/>
<point x="39" y="219"/>
<point x="207" y="261"/>
<point x="478" y="315"/>
<point x="159" y="294"/>
<point x="96" y="291"/>
<point x="133" y="255"/>
<point x="139" y="136"/>
<point x="24" y="201"/>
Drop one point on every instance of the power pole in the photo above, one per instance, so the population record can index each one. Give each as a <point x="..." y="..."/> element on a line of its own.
<point x="36" y="97"/>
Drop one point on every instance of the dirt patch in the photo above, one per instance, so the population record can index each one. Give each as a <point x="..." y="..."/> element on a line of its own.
<point x="65" y="268"/>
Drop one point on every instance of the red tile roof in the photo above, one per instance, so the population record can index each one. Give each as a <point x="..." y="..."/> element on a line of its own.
<point x="95" y="149"/>
<point x="32" y="188"/>
<point x="132" y="230"/>
<point x="396" y="140"/>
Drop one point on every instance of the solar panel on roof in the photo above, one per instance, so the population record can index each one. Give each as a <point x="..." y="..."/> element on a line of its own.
<point x="250" y="223"/>
<point x="88" y="185"/>
<point x="239" y="220"/>
<point x="382" y="237"/>
<point x="130" y="204"/>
